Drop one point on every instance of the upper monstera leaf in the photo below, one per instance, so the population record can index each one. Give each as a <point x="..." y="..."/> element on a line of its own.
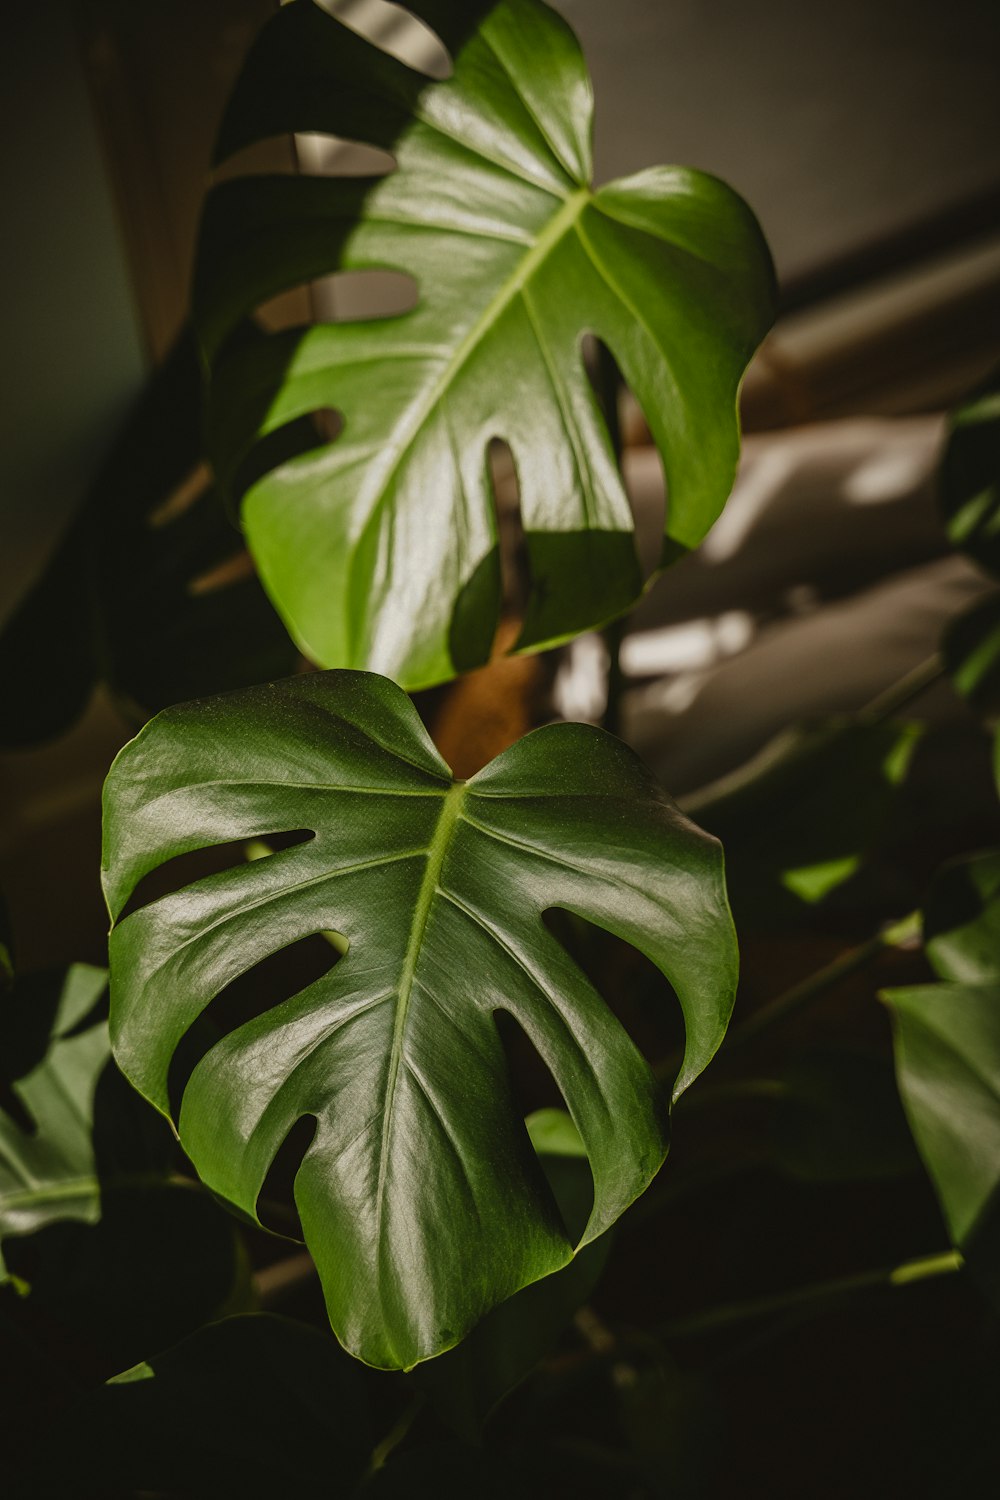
<point x="420" y="1196"/>
<point x="379" y="549"/>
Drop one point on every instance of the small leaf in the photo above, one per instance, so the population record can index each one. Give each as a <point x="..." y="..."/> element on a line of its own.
<point x="969" y="485"/>
<point x="379" y="549"/>
<point x="420" y="1196"/>
<point x="948" y="1068"/>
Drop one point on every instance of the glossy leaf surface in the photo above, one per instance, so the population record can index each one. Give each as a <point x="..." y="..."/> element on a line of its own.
<point x="420" y="1196"/>
<point x="380" y="548"/>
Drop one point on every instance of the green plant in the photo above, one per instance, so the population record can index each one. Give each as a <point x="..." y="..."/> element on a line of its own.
<point x="454" y="1238"/>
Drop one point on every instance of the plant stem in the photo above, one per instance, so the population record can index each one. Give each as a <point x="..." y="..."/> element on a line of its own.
<point x="900" y="694"/>
<point x="395" y="1435"/>
<point x="896" y="934"/>
<point x="273" y="1283"/>
<point x="814" y="1298"/>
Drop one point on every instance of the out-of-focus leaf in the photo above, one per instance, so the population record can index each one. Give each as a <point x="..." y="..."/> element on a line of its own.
<point x="96" y="1234"/>
<point x="47" y="1164"/>
<point x="380" y="549"/>
<point x="134" y="596"/>
<point x="254" y="1405"/>
<point x="420" y="1196"/>
<point x="971" y="647"/>
<point x="837" y="1118"/>
<point x="948" y="1067"/>
<point x="969" y="484"/>
<point x="799" y="820"/>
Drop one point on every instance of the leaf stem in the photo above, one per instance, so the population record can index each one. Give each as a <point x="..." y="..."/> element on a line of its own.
<point x="901" y="694"/>
<point x="814" y="1298"/>
<point x="395" y="1435"/>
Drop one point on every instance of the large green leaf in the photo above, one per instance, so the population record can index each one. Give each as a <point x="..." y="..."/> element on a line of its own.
<point x="420" y="1195"/>
<point x="379" y="549"/>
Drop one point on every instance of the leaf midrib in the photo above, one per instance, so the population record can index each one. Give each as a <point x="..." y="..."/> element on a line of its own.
<point x="436" y="852"/>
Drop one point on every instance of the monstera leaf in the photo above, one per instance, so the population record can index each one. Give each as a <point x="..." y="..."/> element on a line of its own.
<point x="420" y="1196"/>
<point x="379" y="549"/>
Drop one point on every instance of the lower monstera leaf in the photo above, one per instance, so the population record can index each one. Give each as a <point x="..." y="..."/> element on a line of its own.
<point x="420" y="1195"/>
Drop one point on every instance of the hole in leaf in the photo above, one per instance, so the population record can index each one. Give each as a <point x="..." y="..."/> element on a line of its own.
<point x="396" y="31"/>
<point x="285" y="443"/>
<point x="645" y="482"/>
<point x="260" y="989"/>
<point x="276" y="1208"/>
<point x="198" y="864"/>
<point x="533" y="1087"/>
<point x="532" y="1084"/>
<point x="630" y="984"/>
<point x="358" y="296"/>
<point x="507" y="502"/>
<point x="11" y="1105"/>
